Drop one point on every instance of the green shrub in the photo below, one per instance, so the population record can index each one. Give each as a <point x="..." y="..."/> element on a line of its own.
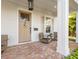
<point x="74" y="55"/>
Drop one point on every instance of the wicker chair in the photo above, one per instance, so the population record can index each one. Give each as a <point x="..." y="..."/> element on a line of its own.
<point x="4" y="39"/>
<point x="44" y="40"/>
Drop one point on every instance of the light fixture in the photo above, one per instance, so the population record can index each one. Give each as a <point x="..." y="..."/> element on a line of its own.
<point x="30" y="5"/>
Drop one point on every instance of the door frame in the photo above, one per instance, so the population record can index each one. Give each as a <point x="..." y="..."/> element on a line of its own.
<point x="28" y="12"/>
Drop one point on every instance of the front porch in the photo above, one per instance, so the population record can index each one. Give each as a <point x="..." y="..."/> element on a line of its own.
<point x="36" y="50"/>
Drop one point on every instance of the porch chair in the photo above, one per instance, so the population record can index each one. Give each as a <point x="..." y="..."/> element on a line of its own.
<point x="43" y="39"/>
<point x="55" y="36"/>
<point x="4" y="39"/>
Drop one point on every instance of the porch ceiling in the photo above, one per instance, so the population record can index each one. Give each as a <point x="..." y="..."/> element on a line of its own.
<point x="73" y="6"/>
<point x="47" y="5"/>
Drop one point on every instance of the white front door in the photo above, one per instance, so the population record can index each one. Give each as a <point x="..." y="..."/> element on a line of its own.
<point x="24" y="28"/>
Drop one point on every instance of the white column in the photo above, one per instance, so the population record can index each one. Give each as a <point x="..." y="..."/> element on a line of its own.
<point x="77" y="29"/>
<point x="77" y="25"/>
<point x="63" y="13"/>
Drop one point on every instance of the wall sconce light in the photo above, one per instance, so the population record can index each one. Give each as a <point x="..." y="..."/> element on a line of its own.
<point x="30" y="5"/>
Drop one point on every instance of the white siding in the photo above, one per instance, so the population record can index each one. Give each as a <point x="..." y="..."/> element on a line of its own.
<point x="9" y="22"/>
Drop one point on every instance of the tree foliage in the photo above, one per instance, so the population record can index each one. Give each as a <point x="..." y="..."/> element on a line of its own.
<point x="73" y="55"/>
<point x="72" y="24"/>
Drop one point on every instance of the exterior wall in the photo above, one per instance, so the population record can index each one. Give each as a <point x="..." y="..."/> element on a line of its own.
<point x="55" y="24"/>
<point x="9" y="22"/>
<point x="37" y="22"/>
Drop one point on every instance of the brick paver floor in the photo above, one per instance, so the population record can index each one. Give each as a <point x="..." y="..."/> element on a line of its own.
<point x="34" y="50"/>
